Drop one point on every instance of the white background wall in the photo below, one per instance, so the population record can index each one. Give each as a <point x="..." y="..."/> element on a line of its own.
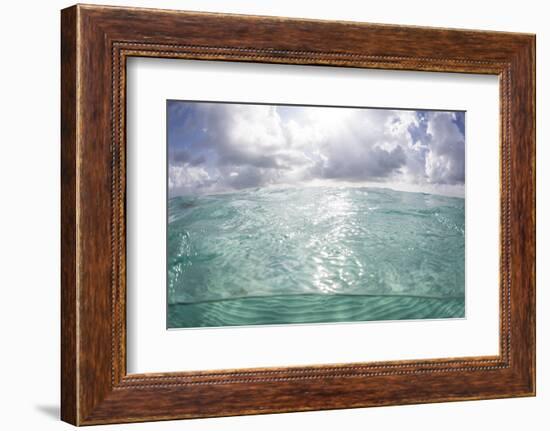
<point x="29" y="215"/>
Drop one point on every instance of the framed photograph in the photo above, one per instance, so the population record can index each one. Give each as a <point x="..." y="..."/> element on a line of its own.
<point x="265" y="214"/>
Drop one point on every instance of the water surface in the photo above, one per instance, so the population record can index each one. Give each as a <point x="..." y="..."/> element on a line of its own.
<point x="310" y="255"/>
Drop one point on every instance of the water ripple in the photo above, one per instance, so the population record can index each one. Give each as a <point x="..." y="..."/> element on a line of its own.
<point x="235" y="248"/>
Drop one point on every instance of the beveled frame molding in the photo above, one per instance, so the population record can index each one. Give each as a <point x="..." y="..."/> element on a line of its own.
<point x="96" y="41"/>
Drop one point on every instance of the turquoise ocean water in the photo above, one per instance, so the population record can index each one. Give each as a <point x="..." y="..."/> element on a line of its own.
<point x="311" y="255"/>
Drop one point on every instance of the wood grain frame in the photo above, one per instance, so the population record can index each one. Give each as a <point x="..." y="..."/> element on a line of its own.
<point x="95" y="43"/>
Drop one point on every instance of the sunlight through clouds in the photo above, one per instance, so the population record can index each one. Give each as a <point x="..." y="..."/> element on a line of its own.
<point x="219" y="147"/>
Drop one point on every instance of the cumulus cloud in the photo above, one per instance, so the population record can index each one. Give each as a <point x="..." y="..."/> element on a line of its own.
<point x="215" y="147"/>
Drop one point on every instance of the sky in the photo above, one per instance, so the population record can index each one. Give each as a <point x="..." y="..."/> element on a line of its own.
<point x="223" y="147"/>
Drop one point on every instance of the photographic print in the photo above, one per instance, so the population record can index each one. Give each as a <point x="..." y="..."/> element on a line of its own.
<point x="293" y="214"/>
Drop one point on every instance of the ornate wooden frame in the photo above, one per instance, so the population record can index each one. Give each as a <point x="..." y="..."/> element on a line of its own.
<point x="95" y="43"/>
